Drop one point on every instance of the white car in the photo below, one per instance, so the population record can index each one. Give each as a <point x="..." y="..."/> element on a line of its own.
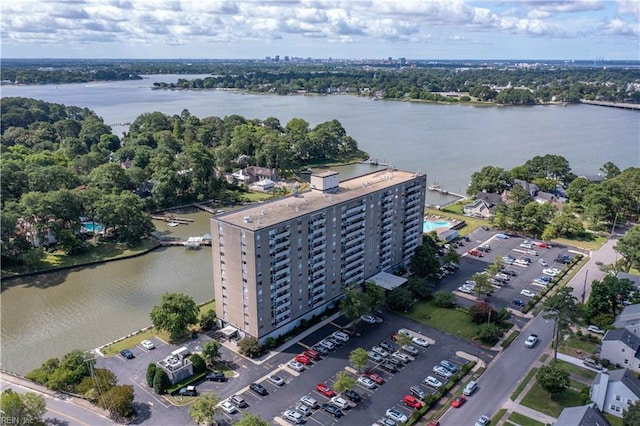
<point x="527" y="292"/>
<point x="465" y="289"/>
<point x="594" y="329"/>
<point x="441" y="371"/>
<point x="552" y="272"/>
<point x="148" y="344"/>
<point x="295" y="365"/>
<point x="369" y="318"/>
<point x="404" y="357"/>
<point x="380" y="351"/>
<point x="526" y="245"/>
<point x="341" y="336"/>
<point x="303" y="409"/>
<point x="293" y="416"/>
<point x="433" y="382"/>
<point x="396" y="415"/>
<point x="470" y="283"/>
<point x="483" y="421"/>
<point x="374" y="356"/>
<point x="340" y="402"/>
<point x="420" y="342"/>
<point x="366" y="382"/>
<point x="228" y="407"/>
<point x="521" y="262"/>
<point x="276" y="380"/>
<point x="309" y="401"/>
<point x="412" y="350"/>
<point x="327" y="344"/>
<point x="543" y="262"/>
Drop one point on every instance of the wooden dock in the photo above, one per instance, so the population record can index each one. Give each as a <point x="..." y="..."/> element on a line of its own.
<point x="622" y="105"/>
<point x="208" y="209"/>
<point x="169" y="218"/>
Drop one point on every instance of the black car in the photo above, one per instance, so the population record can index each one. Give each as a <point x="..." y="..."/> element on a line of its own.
<point x="188" y="391"/>
<point x="127" y="354"/>
<point x="258" y="388"/>
<point x="518" y="302"/>
<point x="510" y="272"/>
<point x="388" y="346"/>
<point x="391" y="368"/>
<point x="216" y="376"/>
<point x="352" y="395"/>
<point x="563" y="258"/>
<point x="334" y="410"/>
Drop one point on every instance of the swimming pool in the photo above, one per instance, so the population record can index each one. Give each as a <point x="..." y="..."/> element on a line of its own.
<point x="428" y="226"/>
<point x="92" y="227"/>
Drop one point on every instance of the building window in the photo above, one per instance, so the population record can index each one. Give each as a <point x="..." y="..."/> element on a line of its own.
<point x="618" y="398"/>
<point x="626" y="361"/>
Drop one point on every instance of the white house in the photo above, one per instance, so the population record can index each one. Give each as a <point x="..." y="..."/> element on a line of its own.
<point x="615" y="391"/>
<point x="620" y="347"/>
<point x="629" y="319"/>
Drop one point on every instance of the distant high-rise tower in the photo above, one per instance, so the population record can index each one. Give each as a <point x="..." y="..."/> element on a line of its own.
<point x="277" y="58"/>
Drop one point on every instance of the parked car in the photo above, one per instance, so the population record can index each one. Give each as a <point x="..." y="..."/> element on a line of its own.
<point x="543" y="262"/>
<point x="449" y="365"/>
<point x="148" y="344"/>
<point x="457" y="403"/>
<point x="385" y="421"/>
<point x="309" y="401"/>
<point x="258" y="388"/>
<point x="412" y="401"/>
<point x="595" y="329"/>
<point x="228" y="407"/>
<point x="527" y="292"/>
<point x="387" y="345"/>
<point x="216" y="376"/>
<point x="374" y="356"/>
<point x="188" y="391"/>
<point x="380" y="351"/>
<point x="238" y="401"/>
<point x="375" y="377"/>
<point x="411" y="350"/>
<point x="470" y="388"/>
<point x="402" y="356"/>
<point x="352" y="395"/>
<point x="368" y="318"/>
<point x="341" y="336"/>
<point x="303" y="409"/>
<point x="276" y="380"/>
<point x="483" y="421"/>
<point x="333" y="409"/>
<point x="366" y="382"/>
<point x="320" y="349"/>
<point x="325" y="390"/>
<point x="127" y="354"/>
<point x="295" y="365"/>
<point x="510" y="272"/>
<point x="442" y="372"/>
<point x="396" y="415"/>
<point x="420" y="342"/>
<point x="518" y="302"/>
<point x="475" y="252"/>
<point x="311" y="353"/>
<point x="340" y="402"/>
<point x="390" y="367"/>
<point x="303" y="359"/>
<point x="433" y="382"/>
<point x="293" y="416"/>
<point x="417" y="392"/>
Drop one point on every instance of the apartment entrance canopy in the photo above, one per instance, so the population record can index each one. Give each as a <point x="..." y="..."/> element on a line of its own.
<point x="387" y="281"/>
<point x="229" y="331"/>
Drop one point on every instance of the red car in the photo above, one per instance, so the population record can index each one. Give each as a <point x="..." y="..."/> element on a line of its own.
<point x="475" y="252"/>
<point x="325" y="390"/>
<point x="302" y="359"/>
<point x="375" y="377"/>
<point x="544" y="245"/>
<point x="434" y="423"/>
<point x="310" y="353"/>
<point x="412" y="402"/>
<point x="456" y="403"/>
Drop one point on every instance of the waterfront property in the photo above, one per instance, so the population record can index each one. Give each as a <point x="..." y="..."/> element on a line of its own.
<point x="277" y="263"/>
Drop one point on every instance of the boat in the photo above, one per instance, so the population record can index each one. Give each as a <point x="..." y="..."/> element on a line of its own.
<point x="172" y="224"/>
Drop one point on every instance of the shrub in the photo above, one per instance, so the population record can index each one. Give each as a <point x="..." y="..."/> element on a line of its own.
<point x="444" y="299"/>
<point x="161" y="382"/>
<point x="198" y="363"/>
<point x="208" y="320"/>
<point x="151" y="374"/>
<point x="250" y="347"/>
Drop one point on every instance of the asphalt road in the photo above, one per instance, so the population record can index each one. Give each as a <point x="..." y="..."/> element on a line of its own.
<point x="61" y="411"/>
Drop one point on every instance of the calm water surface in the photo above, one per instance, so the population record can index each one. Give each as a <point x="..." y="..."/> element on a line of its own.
<point x="50" y="315"/>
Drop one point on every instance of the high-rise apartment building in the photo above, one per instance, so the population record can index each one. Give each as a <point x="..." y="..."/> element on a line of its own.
<point x="278" y="262"/>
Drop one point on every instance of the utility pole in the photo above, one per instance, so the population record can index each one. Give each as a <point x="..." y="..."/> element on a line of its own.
<point x="584" y="286"/>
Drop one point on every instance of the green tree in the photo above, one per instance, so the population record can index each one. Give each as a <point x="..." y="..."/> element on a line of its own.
<point x="161" y="382"/>
<point x="344" y="381"/>
<point x="211" y="351"/>
<point x="482" y="313"/>
<point x="444" y="299"/>
<point x="204" y="408"/>
<point x="609" y="170"/>
<point x="376" y="294"/>
<point x="631" y="417"/>
<point x="424" y="261"/>
<point x="208" y="319"/>
<point x="451" y="256"/>
<point x="561" y="307"/>
<point x="250" y="347"/>
<point x="175" y="314"/>
<point x="92" y="386"/>
<point x="400" y="299"/>
<point x="483" y="286"/>
<point x="249" y="419"/>
<point x="151" y="374"/>
<point x="359" y="358"/>
<point x="354" y="303"/>
<point x="27" y="408"/>
<point x="489" y="179"/>
<point x="629" y="248"/>
<point x="553" y="379"/>
<point x="488" y="333"/>
<point x="199" y="365"/>
<point x="119" y="401"/>
<point x="419" y="288"/>
<point x="608" y="295"/>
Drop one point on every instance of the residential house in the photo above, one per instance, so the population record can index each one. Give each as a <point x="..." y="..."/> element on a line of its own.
<point x="252" y="174"/>
<point x="483" y="206"/>
<point x="531" y="188"/>
<point x="615" y="391"/>
<point x="629" y="319"/>
<point x="621" y="347"/>
<point x="585" y="415"/>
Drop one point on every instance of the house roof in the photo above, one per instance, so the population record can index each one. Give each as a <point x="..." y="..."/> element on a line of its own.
<point x="630" y="314"/>
<point x="546" y="196"/>
<point x="476" y="203"/>
<point x="490" y="198"/>
<point x="586" y="415"/>
<point x="633" y="278"/>
<point x="629" y="380"/>
<point x="624" y="336"/>
<point x="531" y="188"/>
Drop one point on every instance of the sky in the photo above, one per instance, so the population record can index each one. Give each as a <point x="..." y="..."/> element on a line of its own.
<point x="339" y="29"/>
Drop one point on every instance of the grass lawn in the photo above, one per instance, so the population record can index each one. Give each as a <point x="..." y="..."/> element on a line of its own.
<point x="590" y="242"/>
<point x="522" y="420"/>
<point x="498" y="416"/>
<point x="615" y="421"/>
<point x="575" y="370"/>
<point x="524" y="383"/>
<point x="448" y="320"/>
<point x="538" y="399"/>
<point x="578" y="346"/>
<point x="472" y="222"/>
<point x="252" y="197"/>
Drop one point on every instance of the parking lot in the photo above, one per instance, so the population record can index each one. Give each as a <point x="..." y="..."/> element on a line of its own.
<point x="520" y="275"/>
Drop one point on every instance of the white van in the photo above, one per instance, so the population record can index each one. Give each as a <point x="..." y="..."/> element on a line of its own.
<point x="470" y="388"/>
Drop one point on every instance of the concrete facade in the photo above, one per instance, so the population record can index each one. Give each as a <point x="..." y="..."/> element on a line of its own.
<point x="277" y="263"/>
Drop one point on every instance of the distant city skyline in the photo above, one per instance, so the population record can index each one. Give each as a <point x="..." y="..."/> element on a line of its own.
<point x="358" y="29"/>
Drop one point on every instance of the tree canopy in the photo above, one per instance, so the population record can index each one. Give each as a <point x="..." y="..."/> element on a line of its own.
<point x="175" y="313"/>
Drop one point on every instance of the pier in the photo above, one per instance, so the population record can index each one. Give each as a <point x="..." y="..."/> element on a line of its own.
<point x="208" y="209"/>
<point x="173" y="219"/>
<point x="622" y="105"/>
<point x="438" y="188"/>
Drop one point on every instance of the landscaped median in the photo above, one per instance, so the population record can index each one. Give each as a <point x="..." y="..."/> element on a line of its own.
<point x="432" y="400"/>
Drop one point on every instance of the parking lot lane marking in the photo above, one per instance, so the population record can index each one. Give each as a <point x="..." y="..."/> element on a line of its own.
<point x="279" y="420"/>
<point x="136" y="380"/>
<point x="314" y="419"/>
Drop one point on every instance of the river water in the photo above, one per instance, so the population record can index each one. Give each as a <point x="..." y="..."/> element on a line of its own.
<point x="49" y="315"/>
